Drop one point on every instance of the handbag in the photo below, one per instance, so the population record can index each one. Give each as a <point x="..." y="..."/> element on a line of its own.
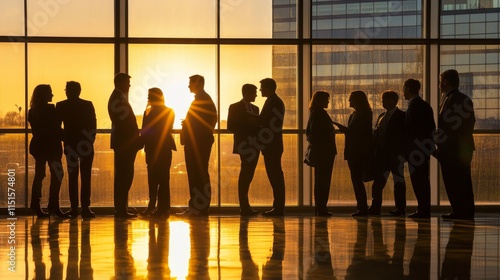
<point x="310" y="156"/>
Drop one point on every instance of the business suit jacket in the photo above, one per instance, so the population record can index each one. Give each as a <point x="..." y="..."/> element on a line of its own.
<point x="358" y="143"/>
<point x="419" y="124"/>
<point x="200" y="121"/>
<point x="321" y="134"/>
<point x="78" y="117"/>
<point x="47" y="133"/>
<point x="388" y="143"/>
<point x="156" y="133"/>
<point x="457" y="126"/>
<point x="271" y="121"/>
<point x="242" y="124"/>
<point x="125" y="132"/>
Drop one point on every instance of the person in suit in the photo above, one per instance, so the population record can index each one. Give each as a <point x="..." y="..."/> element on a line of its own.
<point x="125" y="141"/>
<point x="388" y="146"/>
<point x="242" y="122"/>
<point x="358" y="150"/>
<point x="271" y="138"/>
<point x="78" y="117"/>
<point x="45" y="147"/>
<point x="156" y="134"/>
<point x="320" y="134"/>
<point x="419" y="145"/>
<point x="455" y="146"/>
<point x="197" y="138"/>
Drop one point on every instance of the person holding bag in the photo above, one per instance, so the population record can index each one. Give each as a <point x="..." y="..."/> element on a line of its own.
<point x="320" y="134"/>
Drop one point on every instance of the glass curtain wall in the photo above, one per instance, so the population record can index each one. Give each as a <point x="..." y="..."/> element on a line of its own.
<point x="339" y="46"/>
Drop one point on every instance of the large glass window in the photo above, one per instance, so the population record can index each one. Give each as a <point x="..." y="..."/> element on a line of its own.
<point x="470" y="19"/>
<point x="12" y="18"/>
<point x="12" y="97"/>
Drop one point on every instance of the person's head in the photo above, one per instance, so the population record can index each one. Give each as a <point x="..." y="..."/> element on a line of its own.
<point x="319" y="100"/>
<point x="122" y="82"/>
<point x="196" y="83"/>
<point x="359" y="101"/>
<point x="267" y="87"/>
<point x="73" y="89"/>
<point x="449" y="80"/>
<point x="42" y="94"/>
<point x="389" y="99"/>
<point x="155" y="96"/>
<point x="411" y="88"/>
<point x="249" y="92"/>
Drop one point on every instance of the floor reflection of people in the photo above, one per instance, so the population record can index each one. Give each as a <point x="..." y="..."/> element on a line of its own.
<point x="458" y="254"/>
<point x="396" y="267"/>
<point x="158" y="250"/>
<point x="82" y="270"/>
<point x="273" y="269"/>
<point x="250" y="270"/>
<point x="124" y="262"/>
<point x="36" y="245"/>
<point x="56" y="269"/>
<point x="322" y="267"/>
<point x="200" y="247"/>
<point x="420" y="263"/>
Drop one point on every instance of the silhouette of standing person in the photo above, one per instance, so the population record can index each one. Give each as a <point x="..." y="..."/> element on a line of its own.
<point x="242" y="121"/>
<point x="358" y="149"/>
<point x="320" y="134"/>
<point x="156" y="134"/>
<point x="125" y="141"/>
<point x="388" y="148"/>
<point x="271" y="138"/>
<point x="78" y="117"/>
<point x="197" y="138"/>
<point x="456" y="124"/>
<point x="419" y="125"/>
<point x="45" y="147"/>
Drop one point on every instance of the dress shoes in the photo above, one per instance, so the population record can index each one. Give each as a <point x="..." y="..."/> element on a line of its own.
<point x="397" y="212"/>
<point x="360" y="213"/>
<point x="248" y="213"/>
<point x="87" y="213"/>
<point x="125" y="215"/>
<point x="73" y="213"/>
<point x="273" y="213"/>
<point x="375" y="211"/>
<point x="419" y="215"/>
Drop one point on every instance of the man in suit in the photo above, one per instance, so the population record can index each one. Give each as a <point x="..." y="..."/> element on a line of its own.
<point x="419" y="126"/>
<point x="197" y="137"/>
<point x="388" y="146"/>
<point x="78" y="117"/>
<point x="125" y="141"/>
<point x="456" y="145"/>
<point x="242" y="122"/>
<point x="271" y="138"/>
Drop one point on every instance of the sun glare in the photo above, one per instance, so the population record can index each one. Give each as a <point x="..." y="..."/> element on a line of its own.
<point x="180" y="250"/>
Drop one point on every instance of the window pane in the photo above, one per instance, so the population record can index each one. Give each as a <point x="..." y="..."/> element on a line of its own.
<point x="470" y="20"/>
<point x="174" y="19"/>
<point x="89" y="64"/>
<point x="12" y="165"/>
<point x="479" y="68"/>
<point x="12" y="18"/>
<point x="246" y="19"/>
<point x="284" y="19"/>
<point x="77" y="18"/>
<point x="12" y="96"/>
<point x="169" y="67"/>
<point x="372" y="16"/>
<point x="484" y="167"/>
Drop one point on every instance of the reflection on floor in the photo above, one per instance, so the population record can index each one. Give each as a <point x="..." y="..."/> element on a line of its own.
<point x="227" y="247"/>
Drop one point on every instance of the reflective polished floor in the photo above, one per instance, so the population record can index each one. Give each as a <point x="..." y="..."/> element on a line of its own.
<point x="230" y="247"/>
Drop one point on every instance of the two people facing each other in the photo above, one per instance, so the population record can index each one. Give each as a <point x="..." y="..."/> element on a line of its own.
<point x="411" y="137"/>
<point x="78" y="117"/>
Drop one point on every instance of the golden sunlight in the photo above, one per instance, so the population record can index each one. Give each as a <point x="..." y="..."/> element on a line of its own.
<point x="180" y="249"/>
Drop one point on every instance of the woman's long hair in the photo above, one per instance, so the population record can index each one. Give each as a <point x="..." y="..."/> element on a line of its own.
<point x="316" y="99"/>
<point x="360" y="100"/>
<point x="40" y="95"/>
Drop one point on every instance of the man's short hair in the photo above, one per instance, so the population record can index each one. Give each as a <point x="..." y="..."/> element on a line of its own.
<point x="73" y="89"/>
<point x="412" y="85"/>
<point x="391" y="95"/>
<point x="248" y="89"/>
<point x="197" y="79"/>
<point x="268" y="83"/>
<point x="451" y="76"/>
<point x="120" y="77"/>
